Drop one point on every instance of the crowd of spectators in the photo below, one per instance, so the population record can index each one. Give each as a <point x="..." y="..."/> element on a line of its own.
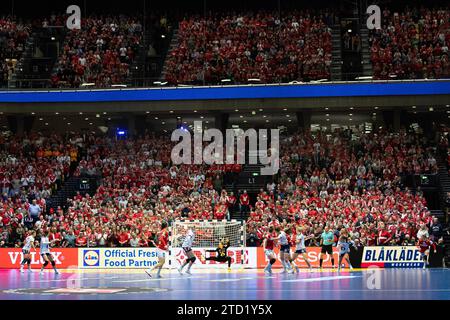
<point x="32" y="168"/>
<point x="294" y="46"/>
<point x="139" y="188"/>
<point x="13" y="36"/>
<point x="343" y="179"/>
<point x="101" y="52"/>
<point x="413" y="44"/>
<point x="353" y="183"/>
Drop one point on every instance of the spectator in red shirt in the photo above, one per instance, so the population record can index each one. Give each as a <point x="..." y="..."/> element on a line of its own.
<point x="82" y="240"/>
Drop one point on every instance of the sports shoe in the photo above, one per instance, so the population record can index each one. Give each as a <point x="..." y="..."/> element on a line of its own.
<point x="29" y="270"/>
<point x="180" y="271"/>
<point x="188" y="272"/>
<point x="21" y="270"/>
<point x="297" y="269"/>
<point x="42" y="272"/>
<point x="56" y="271"/>
<point x="229" y="269"/>
<point x="266" y="270"/>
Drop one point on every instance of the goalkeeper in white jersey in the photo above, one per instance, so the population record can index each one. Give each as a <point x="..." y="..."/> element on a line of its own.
<point x="187" y="247"/>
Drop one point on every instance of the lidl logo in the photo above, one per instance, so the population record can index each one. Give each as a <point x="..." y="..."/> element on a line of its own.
<point x="91" y="258"/>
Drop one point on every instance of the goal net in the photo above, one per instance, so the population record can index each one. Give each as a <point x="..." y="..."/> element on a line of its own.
<point x="208" y="233"/>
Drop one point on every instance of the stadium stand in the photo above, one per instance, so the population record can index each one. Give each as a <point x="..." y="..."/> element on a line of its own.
<point x="260" y="45"/>
<point x="356" y="184"/>
<point x="412" y="44"/>
<point x="13" y="35"/>
<point x="100" y="53"/>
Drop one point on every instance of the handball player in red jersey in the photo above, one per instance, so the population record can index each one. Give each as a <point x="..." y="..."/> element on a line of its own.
<point x="269" y="244"/>
<point x="424" y="245"/>
<point x="162" y="247"/>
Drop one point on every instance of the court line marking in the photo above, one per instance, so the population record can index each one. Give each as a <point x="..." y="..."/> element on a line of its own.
<point x="230" y="280"/>
<point x="320" y="290"/>
<point x="320" y="279"/>
<point x="71" y="279"/>
<point x="157" y="279"/>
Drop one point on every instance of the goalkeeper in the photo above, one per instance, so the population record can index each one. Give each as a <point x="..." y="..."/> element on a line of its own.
<point x="221" y="253"/>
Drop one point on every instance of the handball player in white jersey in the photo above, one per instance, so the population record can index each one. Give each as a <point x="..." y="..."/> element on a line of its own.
<point x="29" y="244"/>
<point x="300" y="248"/>
<point x="285" y="250"/>
<point x="45" y="252"/>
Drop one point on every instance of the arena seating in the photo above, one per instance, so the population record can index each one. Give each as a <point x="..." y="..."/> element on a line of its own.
<point x="259" y="45"/>
<point x="139" y="189"/>
<point x="239" y="48"/>
<point x="356" y="184"/>
<point x="31" y="168"/>
<point x="412" y="44"/>
<point x="100" y="53"/>
<point x="13" y="36"/>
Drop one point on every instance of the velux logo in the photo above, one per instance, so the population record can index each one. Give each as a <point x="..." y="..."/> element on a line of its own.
<point x="17" y="257"/>
<point x="214" y="152"/>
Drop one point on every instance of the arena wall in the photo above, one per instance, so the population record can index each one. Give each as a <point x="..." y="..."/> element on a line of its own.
<point x="251" y="257"/>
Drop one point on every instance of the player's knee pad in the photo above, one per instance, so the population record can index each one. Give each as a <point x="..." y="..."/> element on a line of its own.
<point x="29" y="260"/>
<point x="45" y="263"/>
<point x="53" y="263"/>
<point x="272" y="261"/>
<point x="192" y="259"/>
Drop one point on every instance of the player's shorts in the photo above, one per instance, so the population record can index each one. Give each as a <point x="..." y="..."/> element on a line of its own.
<point x="327" y="249"/>
<point x="269" y="253"/>
<point x="26" y="251"/>
<point x="300" y="251"/>
<point x="222" y="259"/>
<point x="160" y="253"/>
<point x="189" y="253"/>
<point x="285" y="248"/>
<point x="47" y="254"/>
<point x="343" y="253"/>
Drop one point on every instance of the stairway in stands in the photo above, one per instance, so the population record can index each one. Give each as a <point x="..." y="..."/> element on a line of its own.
<point x="442" y="219"/>
<point x="249" y="179"/>
<point x="137" y="71"/>
<point x="147" y="69"/>
<point x="173" y="44"/>
<point x="70" y="189"/>
<point x="336" y="64"/>
<point x="365" y="52"/>
<point x="37" y="64"/>
<point x="444" y="181"/>
<point x="22" y="63"/>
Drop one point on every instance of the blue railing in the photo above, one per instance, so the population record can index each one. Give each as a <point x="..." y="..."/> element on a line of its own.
<point x="306" y="90"/>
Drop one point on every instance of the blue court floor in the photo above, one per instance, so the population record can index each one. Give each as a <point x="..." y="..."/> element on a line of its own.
<point x="386" y="284"/>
